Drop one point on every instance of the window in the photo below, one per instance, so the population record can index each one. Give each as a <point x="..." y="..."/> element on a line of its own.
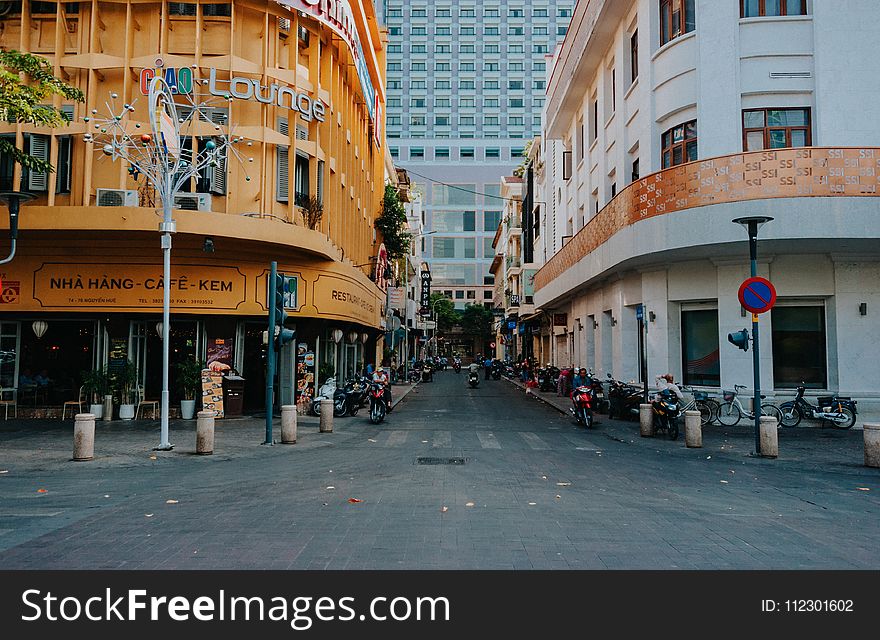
<point x="564" y="13"/>
<point x="491" y="66"/>
<point x="442" y="84"/>
<point x="491" y="84"/>
<point x="491" y="220"/>
<point x="539" y="31"/>
<point x="419" y="48"/>
<point x="395" y="48"/>
<point x="539" y="85"/>
<point x="579" y="141"/>
<point x="456" y="195"/>
<point x="799" y="346"/>
<point x="491" y="102"/>
<point x="755" y="8"/>
<point x="416" y="66"/>
<point x="441" y="121"/>
<point x="442" y="48"/>
<point x="467" y="31"/>
<point x="394" y="151"/>
<point x="594" y="120"/>
<point x="635" y="170"/>
<point x="515" y="66"/>
<point x="677" y="17"/>
<point x="467" y="13"/>
<point x="417" y="121"/>
<point x="467" y="84"/>
<point x="441" y="152"/>
<point x="491" y="121"/>
<point x="466" y="48"/>
<point x="472" y="295"/>
<point x="442" y="102"/>
<point x="539" y="66"/>
<point x="443" y="31"/>
<point x="453" y="221"/>
<point x="418" y="13"/>
<point x="487" y="295"/>
<point x="776" y="129"/>
<point x="413" y="84"/>
<point x="516" y="13"/>
<point x="466" y="152"/>
<point x="455" y="248"/>
<point x="492" y="48"/>
<point x="700" y="354"/>
<point x="517" y="103"/>
<point x="539" y="48"/>
<point x="443" y="13"/>
<point x="467" y="103"/>
<point x="515" y="31"/>
<point x="442" y="66"/>
<point x="679" y="144"/>
<point x="493" y="152"/>
<point x="634" y="56"/>
<point x="416" y="152"/>
<point x="491" y="31"/>
<point x="515" y="48"/>
<point x="417" y="102"/>
<point x="515" y="85"/>
<point x="459" y="295"/>
<point x="419" y="31"/>
<point x="394" y="102"/>
<point x="539" y="13"/>
<point x="516" y="121"/>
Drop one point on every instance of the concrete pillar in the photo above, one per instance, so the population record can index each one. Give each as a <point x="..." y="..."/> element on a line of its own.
<point x="108" y="408"/>
<point x="83" y="437"/>
<point x="288" y="424"/>
<point x="326" y="416"/>
<point x="872" y="445"/>
<point x="693" y="430"/>
<point x="769" y="437"/>
<point x="646" y="420"/>
<point x="205" y="433"/>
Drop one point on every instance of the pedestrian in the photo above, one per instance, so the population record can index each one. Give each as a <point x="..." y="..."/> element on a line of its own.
<point x="526" y="371"/>
<point x="487" y="365"/>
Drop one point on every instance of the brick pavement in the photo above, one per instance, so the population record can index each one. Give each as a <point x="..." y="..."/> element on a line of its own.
<point x="535" y="492"/>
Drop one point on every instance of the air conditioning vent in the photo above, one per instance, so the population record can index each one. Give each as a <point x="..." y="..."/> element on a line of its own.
<point x="302" y="133"/>
<point x="117" y="198"/>
<point x="193" y="201"/>
<point x="791" y="74"/>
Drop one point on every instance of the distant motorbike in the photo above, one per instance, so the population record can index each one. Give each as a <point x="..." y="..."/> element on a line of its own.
<point x="378" y="406"/>
<point x="473" y="379"/>
<point x="495" y="372"/>
<point x="456" y="366"/>
<point x="583" y="399"/>
<point x="667" y="410"/>
<point x="840" y="411"/>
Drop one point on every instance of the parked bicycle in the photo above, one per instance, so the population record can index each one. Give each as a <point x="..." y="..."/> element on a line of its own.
<point x="731" y="410"/>
<point x="708" y="407"/>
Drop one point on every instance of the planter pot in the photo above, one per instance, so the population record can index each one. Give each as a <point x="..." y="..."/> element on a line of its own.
<point x="97" y="409"/>
<point x="126" y="411"/>
<point x="187" y="409"/>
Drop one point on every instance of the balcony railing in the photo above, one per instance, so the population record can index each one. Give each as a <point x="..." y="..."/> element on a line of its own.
<point x="782" y="173"/>
<point x="513" y="262"/>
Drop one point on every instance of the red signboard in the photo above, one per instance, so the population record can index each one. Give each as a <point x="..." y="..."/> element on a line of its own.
<point x="757" y="295"/>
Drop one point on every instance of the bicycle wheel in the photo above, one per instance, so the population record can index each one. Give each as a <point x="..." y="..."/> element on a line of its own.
<point x="773" y="411"/>
<point x="728" y="414"/>
<point x="705" y="413"/>
<point x="791" y="415"/>
<point x="715" y="406"/>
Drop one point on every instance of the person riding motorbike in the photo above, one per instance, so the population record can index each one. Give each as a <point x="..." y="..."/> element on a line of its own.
<point x="380" y="377"/>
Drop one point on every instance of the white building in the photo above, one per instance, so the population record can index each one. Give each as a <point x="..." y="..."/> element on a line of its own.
<point x="676" y="117"/>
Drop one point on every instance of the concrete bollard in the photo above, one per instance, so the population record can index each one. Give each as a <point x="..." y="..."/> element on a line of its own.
<point x="872" y="445"/>
<point x="108" y="409"/>
<point x="769" y="436"/>
<point x="326" y="416"/>
<point x="288" y="424"/>
<point x="205" y="433"/>
<point x="83" y="437"/>
<point x="646" y="420"/>
<point x="693" y="430"/>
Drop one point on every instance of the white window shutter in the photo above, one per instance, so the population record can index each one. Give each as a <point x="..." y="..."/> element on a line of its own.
<point x="39" y="149"/>
<point x="217" y="183"/>
<point x="282" y="175"/>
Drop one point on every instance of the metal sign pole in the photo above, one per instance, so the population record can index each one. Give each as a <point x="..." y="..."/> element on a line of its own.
<point x="270" y="354"/>
<point x="756" y="357"/>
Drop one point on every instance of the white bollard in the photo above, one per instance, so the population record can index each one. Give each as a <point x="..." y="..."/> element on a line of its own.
<point x="769" y="437"/>
<point x="108" y="408"/>
<point x="84" y="437"/>
<point x="646" y="420"/>
<point x="326" y="416"/>
<point x="288" y="424"/>
<point x="693" y="430"/>
<point x="872" y="445"/>
<point x="205" y="433"/>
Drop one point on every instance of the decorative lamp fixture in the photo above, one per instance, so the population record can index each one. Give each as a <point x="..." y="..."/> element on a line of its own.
<point x="159" y="327"/>
<point x="863" y="309"/>
<point x="613" y="321"/>
<point x="595" y="325"/>
<point x="337" y="335"/>
<point x="352" y="336"/>
<point x="208" y="246"/>
<point x="652" y="316"/>
<point x="364" y="337"/>
<point x="39" y="327"/>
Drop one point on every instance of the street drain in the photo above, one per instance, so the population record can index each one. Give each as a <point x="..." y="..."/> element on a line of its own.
<point x="434" y="461"/>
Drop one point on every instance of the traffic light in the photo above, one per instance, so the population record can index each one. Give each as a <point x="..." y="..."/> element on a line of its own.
<point x="282" y="335"/>
<point x="739" y="339"/>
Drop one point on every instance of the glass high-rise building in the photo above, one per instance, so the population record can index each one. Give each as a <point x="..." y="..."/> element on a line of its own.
<point x="466" y="85"/>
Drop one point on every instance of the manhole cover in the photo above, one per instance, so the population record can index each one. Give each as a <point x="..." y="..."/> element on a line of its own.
<point x="441" y="460"/>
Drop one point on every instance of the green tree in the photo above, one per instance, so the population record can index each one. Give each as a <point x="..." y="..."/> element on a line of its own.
<point x="447" y="316"/>
<point x="477" y="321"/>
<point x="392" y="224"/>
<point x="23" y="99"/>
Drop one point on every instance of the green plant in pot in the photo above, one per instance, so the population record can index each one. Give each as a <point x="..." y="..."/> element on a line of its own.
<point x="96" y="385"/>
<point x="189" y="381"/>
<point x="325" y="371"/>
<point x="126" y="381"/>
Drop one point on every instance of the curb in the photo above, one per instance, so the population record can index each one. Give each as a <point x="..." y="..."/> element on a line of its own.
<point x="538" y="397"/>
<point x="396" y="402"/>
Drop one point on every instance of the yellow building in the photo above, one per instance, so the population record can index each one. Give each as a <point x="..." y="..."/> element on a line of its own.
<point x="89" y="262"/>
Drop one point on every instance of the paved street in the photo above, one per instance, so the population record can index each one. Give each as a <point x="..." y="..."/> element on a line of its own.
<point x="533" y="491"/>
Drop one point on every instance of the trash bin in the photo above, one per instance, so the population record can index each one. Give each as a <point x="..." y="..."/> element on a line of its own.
<point x="233" y="395"/>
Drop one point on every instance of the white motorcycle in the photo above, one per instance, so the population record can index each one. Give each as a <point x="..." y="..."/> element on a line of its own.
<point x="326" y="392"/>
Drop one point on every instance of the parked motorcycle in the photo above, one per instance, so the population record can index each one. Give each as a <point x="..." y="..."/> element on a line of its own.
<point x="623" y="400"/>
<point x="456" y="366"/>
<point x="548" y="377"/>
<point x="583" y="399"/>
<point x="357" y="394"/>
<point x="667" y="411"/>
<point x="495" y="371"/>
<point x="378" y="406"/>
<point x="840" y="411"/>
<point x="329" y="392"/>
<point x="473" y="379"/>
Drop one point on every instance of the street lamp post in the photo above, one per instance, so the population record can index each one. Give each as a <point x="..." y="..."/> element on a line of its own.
<point x="752" y="224"/>
<point x="14" y="200"/>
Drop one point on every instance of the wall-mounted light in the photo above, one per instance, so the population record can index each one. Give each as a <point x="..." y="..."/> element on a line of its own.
<point x="580" y="325"/>
<point x="208" y="246"/>
<point x="863" y="308"/>
<point x="613" y="321"/>
<point x="652" y="316"/>
<point x="595" y="325"/>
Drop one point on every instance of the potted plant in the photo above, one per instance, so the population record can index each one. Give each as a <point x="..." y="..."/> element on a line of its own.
<point x="189" y="380"/>
<point x="126" y="380"/>
<point x="95" y="386"/>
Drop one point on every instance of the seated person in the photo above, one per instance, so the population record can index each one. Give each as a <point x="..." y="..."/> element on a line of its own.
<point x="25" y="379"/>
<point x="42" y="379"/>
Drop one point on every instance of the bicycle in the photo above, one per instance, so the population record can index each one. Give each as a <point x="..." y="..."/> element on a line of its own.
<point x="701" y="402"/>
<point x="731" y="410"/>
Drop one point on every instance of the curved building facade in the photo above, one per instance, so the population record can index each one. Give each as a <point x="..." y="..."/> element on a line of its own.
<point x="676" y="118"/>
<point x="302" y="83"/>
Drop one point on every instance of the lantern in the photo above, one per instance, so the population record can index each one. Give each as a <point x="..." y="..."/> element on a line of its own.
<point x="159" y="327"/>
<point x="364" y="337"/>
<point x="39" y="327"/>
<point x="352" y="336"/>
<point x="337" y="335"/>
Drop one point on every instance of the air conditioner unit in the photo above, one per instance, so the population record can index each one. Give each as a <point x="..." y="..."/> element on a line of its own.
<point x="117" y="198"/>
<point x="193" y="201"/>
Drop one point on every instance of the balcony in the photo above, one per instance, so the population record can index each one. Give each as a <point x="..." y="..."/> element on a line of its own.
<point x="513" y="262"/>
<point x="697" y="187"/>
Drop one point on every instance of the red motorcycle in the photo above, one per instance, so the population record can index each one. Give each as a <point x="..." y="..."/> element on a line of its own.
<point x="378" y="406"/>
<point x="584" y="399"/>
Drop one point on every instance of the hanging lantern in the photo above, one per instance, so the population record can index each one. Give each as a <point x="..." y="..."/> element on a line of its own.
<point x="337" y="335"/>
<point x="364" y="337"/>
<point x="353" y="336"/>
<point x="39" y="327"/>
<point x="159" y="329"/>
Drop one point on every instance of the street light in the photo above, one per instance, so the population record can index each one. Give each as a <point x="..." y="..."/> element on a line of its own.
<point x="14" y="200"/>
<point x="751" y="225"/>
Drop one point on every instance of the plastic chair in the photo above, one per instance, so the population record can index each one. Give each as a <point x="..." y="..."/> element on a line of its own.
<point x="78" y="403"/>
<point x="10" y="401"/>
<point x="142" y="403"/>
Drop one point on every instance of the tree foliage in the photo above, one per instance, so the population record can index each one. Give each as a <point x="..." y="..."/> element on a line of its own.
<point x="447" y="316"/>
<point x="477" y="321"/>
<point x="392" y="224"/>
<point x="25" y="100"/>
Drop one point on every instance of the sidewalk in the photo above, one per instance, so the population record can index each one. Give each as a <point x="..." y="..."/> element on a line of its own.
<point x="809" y="446"/>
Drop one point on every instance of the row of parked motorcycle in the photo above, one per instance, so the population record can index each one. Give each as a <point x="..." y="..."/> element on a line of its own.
<point x="351" y="398"/>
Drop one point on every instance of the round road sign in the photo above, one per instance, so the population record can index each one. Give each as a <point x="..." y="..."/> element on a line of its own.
<point x="757" y="295"/>
<point x="491" y="345"/>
